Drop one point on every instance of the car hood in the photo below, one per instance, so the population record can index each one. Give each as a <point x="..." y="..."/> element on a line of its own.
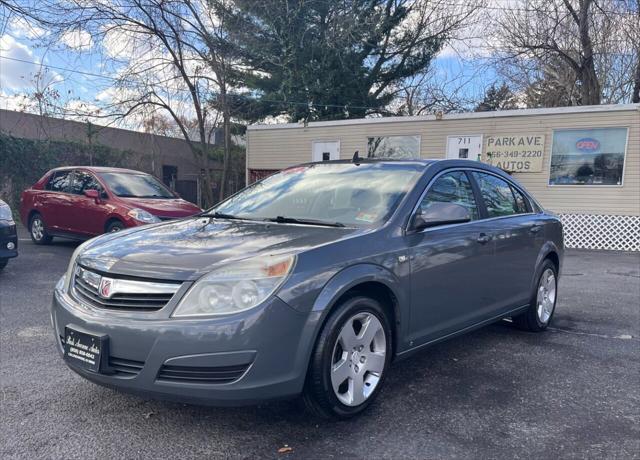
<point x="164" y="208"/>
<point x="187" y="249"/>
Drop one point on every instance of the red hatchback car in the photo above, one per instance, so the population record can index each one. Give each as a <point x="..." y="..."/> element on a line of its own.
<point x="81" y="202"/>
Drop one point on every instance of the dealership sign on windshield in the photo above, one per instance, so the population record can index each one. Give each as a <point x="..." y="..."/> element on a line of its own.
<point x="519" y="153"/>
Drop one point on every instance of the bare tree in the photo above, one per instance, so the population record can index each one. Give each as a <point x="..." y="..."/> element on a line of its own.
<point x="632" y="35"/>
<point x="578" y="45"/>
<point x="430" y="93"/>
<point x="167" y="60"/>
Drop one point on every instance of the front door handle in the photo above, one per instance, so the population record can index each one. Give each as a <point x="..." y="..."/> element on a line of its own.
<point x="535" y="228"/>
<point x="484" y="238"/>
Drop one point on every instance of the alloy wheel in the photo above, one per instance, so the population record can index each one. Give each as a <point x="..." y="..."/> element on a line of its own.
<point x="358" y="359"/>
<point x="546" y="299"/>
<point x="37" y="229"/>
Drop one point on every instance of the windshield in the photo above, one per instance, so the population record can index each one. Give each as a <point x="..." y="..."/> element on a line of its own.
<point x="343" y="193"/>
<point x="135" y="185"/>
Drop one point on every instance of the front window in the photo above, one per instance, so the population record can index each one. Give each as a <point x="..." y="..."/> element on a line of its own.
<point x="344" y="193"/>
<point x="453" y="187"/>
<point x="588" y="156"/>
<point x="399" y="147"/>
<point x="127" y="185"/>
<point x="84" y="181"/>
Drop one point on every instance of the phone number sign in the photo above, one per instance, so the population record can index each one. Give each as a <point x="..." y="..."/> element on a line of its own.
<point x="519" y="153"/>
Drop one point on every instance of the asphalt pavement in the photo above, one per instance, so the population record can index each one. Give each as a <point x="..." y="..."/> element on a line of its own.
<point x="571" y="392"/>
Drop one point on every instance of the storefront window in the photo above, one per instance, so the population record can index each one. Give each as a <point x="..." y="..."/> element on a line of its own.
<point x="393" y="147"/>
<point x="588" y="156"/>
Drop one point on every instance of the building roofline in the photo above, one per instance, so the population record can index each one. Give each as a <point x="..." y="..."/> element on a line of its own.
<point x="99" y="127"/>
<point x="455" y="116"/>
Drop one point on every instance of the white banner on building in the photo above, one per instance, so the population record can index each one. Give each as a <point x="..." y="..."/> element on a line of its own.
<point x="515" y="153"/>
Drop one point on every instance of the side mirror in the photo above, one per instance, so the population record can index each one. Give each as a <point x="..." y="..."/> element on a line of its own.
<point x="440" y="214"/>
<point x="93" y="194"/>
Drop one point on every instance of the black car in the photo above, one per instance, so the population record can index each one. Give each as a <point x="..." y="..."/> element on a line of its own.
<point x="8" y="237"/>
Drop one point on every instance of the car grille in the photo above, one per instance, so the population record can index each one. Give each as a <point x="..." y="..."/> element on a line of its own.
<point x="206" y="375"/>
<point x="127" y="295"/>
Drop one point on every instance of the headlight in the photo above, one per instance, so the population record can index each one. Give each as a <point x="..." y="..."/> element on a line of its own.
<point x="5" y="212"/>
<point x="143" y="216"/>
<point x="62" y="283"/>
<point x="235" y="287"/>
<point x="65" y="282"/>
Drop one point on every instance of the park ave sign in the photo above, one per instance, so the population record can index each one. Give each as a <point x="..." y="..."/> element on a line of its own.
<point x="515" y="153"/>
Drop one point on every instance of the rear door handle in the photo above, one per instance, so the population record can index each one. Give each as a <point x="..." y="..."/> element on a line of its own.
<point x="535" y="228"/>
<point x="484" y="238"/>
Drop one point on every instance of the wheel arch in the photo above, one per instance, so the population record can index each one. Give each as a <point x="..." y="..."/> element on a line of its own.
<point x="553" y="257"/>
<point x="548" y="251"/>
<point x="363" y="279"/>
<point x="111" y="219"/>
<point x="32" y="213"/>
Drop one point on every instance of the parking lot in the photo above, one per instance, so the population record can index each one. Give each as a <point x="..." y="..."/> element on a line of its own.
<point x="573" y="391"/>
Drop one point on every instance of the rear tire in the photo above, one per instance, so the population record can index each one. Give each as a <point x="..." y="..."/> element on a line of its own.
<point x="543" y="301"/>
<point x="115" y="226"/>
<point x="350" y="359"/>
<point x="3" y="263"/>
<point x="38" y="230"/>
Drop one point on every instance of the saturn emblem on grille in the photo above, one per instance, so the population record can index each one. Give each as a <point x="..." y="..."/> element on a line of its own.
<point x="106" y="285"/>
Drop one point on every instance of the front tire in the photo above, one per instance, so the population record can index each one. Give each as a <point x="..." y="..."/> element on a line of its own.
<point x="115" y="226"/>
<point x="3" y="263"/>
<point x="350" y="359"/>
<point x="38" y="230"/>
<point x="543" y="301"/>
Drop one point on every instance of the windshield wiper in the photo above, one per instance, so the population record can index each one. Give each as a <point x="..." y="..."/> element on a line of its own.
<point x="294" y="220"/>
<point x="221" y="215"/>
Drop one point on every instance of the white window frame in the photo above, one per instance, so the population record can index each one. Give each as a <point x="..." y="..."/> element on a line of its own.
<point x="624" y="161"/>
<point x="323" y="141"/>
<point x="369" y="136"/>
<point x="453" y="136"/>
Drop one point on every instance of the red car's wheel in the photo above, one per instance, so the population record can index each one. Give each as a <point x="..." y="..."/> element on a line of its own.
<point x="38" y="230"/>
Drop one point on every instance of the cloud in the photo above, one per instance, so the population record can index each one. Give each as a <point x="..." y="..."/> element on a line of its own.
<point x="15" y="74"/>
<point x="20" y="27"/>
<point x="17" y="102"/>
<point x="125" y="45"/>
<point x="77" y="39"/>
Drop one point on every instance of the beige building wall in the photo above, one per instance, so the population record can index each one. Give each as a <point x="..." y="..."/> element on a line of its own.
<point x="278" y="146"/>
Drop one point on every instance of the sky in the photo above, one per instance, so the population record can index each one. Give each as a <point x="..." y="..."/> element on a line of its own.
<point x="76" y="77"/>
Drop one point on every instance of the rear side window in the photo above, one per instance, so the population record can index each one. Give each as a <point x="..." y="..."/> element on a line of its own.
<point x="498" y="197"/>
<point x="521" y="201"/>
<point x="60" y="181"/>
<point x="453" y="187"/>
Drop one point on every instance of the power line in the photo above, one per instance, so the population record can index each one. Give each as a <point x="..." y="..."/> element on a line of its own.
<point x="237" y="96"/>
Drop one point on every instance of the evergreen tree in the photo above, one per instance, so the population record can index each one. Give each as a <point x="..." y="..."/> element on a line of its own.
<point x="322" y="60"/>
<point x="497" y="98"/>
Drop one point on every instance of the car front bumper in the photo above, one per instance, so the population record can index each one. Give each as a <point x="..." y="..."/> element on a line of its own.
<point x="8" y="240"/>
<point x="266" y="348"/>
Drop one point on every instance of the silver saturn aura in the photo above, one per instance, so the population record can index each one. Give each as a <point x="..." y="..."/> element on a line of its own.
<point x="310" y="282"/>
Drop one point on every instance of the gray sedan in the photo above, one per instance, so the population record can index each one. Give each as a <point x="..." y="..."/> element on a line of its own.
<point x="311" y="281"/>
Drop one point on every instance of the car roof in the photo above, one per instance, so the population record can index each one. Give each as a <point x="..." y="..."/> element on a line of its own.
<point x="415" y="162"/>
<point x="425" y="163"/>
<point x="100" y="169"/>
